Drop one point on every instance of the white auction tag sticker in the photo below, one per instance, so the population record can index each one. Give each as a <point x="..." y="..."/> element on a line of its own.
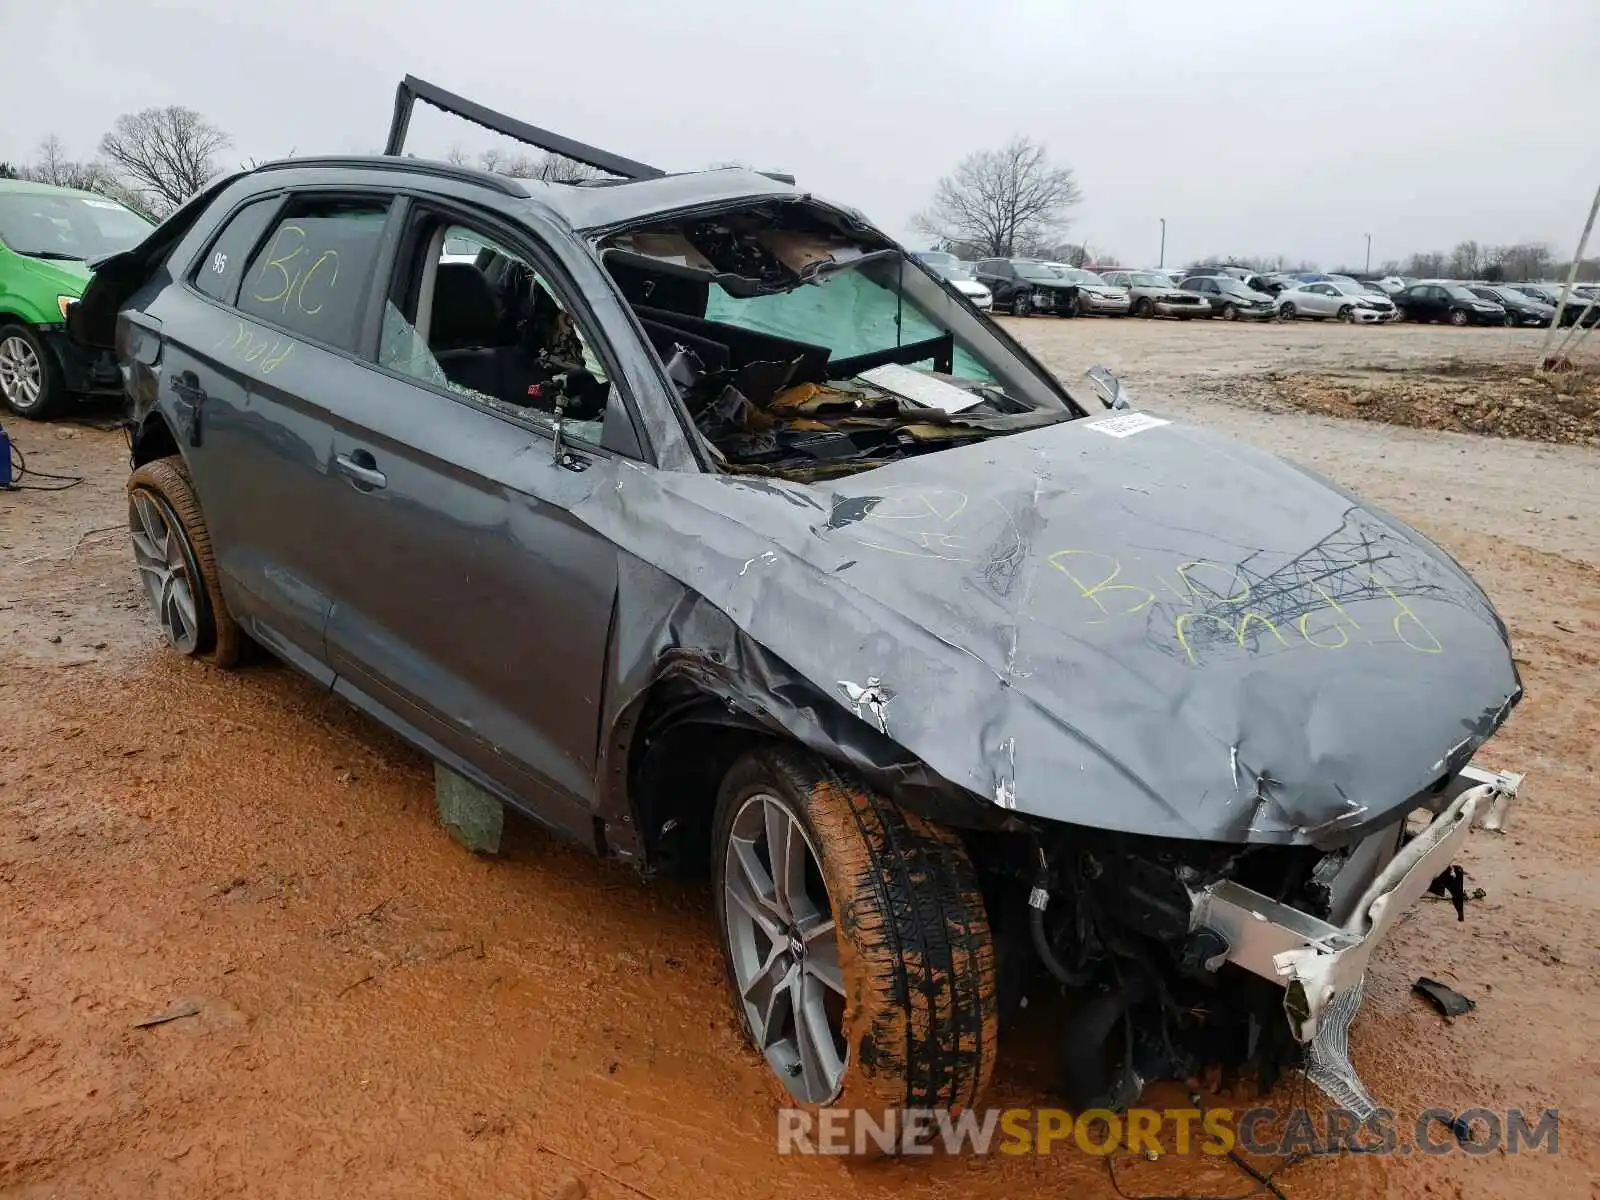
<point x="1127" y="424"/>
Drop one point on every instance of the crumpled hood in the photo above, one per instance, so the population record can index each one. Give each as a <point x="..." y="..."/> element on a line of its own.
<point x="1118" y="622"/>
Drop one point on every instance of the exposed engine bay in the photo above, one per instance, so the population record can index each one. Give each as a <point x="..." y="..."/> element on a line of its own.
<point x="809" y="348"/>
<point x="1188" y="954"/>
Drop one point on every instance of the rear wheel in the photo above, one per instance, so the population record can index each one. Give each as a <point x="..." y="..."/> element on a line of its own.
<point x="1458" y="316"/>
<point x="1145" y="307"/>
<point x="1019" y="304"/>
<point x="1286" y="312"/>
<point x="857" y="942"/>
<point x="172" y="550"/>
<point x="1230" y="312"/>
<point x="30" y="378"/>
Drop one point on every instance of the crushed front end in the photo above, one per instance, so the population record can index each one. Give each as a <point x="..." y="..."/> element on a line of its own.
<point x="1192" y="954"/>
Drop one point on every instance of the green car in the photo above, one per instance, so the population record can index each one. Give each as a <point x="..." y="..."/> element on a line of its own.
<point x="47" y="237"/>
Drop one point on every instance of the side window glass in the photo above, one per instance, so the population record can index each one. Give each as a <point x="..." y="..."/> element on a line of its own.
<point x="491" y="327"/>
<point x="313" y="273"/>
<point x="221" y="267"/>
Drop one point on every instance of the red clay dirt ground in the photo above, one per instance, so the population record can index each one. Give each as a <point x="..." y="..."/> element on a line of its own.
<point x="380" y="1014"/>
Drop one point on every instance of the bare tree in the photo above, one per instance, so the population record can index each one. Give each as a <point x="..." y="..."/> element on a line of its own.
<point x="999" y="200"/>
<point x="1466" y="260"/>
<point x="52" y="165"/>
<point x="165" y="154"/>
<point x="7" y="171"/>
<point x="550" y="168"/>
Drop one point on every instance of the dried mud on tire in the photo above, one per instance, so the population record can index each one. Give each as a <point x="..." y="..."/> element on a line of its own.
<point x="921" y="1015"/>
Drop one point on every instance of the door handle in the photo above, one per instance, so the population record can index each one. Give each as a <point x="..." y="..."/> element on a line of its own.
<point x="362" y="470"/>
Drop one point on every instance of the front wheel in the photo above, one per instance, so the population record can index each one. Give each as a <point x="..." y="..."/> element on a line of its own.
<point x="1458" y="317"/>
<point x="1019" y="304"/>
<point x="30" y="378"/>
<point x="1347" y="313"/>
<point x="1230" y="312"/>
<point x="857" y="943"/>
<point x="1146" y="307"/>
<point x="1076" y="308"/>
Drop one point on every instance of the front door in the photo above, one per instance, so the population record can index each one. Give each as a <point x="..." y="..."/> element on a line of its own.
<point x="466" y="598"/>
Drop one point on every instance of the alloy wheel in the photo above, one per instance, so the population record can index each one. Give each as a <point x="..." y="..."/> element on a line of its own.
<point x="21" y="375"/>
<point x="784" y="952"/>
<point x="166" y="568"/>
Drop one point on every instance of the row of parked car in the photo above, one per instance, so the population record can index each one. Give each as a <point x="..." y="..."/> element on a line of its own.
<point x="1026" y="287"/>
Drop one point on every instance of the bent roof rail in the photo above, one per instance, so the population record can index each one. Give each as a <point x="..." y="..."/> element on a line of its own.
<point x="412" y="89"/>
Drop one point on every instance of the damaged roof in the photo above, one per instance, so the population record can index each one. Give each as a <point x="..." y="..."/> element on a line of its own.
<point x="583" y="207"/>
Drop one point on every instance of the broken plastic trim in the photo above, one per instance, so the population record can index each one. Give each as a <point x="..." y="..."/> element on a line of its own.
<point x="1321" y="966"/>
<point x="412" y="89"/>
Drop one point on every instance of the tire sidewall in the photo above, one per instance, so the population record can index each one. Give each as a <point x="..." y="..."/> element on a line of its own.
<point x="864" y="869"/>
<point x="749" y="777"/>
<point x="206" y="635"/>
<point x="167" y="479"/>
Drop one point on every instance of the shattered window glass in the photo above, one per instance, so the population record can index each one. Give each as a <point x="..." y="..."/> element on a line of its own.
<point x="401" y="348"/>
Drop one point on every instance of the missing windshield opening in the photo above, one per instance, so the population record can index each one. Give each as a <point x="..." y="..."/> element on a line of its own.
<point x="805" y="348"/>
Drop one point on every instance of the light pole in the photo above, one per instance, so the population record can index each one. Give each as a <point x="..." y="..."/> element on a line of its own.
<point x="1369" y="254"/>
<point x="1163" y="261"/>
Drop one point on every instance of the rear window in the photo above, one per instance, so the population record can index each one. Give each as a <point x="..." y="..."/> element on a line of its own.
<point x="313" y="274"/>
<point x="220" y="268"/>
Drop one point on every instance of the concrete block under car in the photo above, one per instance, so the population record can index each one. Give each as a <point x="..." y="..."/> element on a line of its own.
<point x="474" y="817"/>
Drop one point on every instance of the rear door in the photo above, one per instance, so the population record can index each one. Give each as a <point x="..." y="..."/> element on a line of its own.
<point x="292" y="339"/>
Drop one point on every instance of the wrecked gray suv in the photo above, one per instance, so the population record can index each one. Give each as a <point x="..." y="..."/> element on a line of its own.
<point x="691" y="516"/>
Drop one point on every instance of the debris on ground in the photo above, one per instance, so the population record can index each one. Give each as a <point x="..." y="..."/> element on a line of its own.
<point x="1495" y="399"/>
<point x="177" y="1012"/>
<point x="1446" y="999"/>
<point x="473" y="817"/>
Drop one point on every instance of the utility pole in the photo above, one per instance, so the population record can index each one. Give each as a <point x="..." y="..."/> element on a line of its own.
<point x="1369" y="254"/>
<point x="1163" y="261"/>
<point x="1572" y="278"/>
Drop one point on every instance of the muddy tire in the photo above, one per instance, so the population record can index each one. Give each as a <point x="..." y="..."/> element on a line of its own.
<point x="172" y="549"/>
<point x="889" y="903"/>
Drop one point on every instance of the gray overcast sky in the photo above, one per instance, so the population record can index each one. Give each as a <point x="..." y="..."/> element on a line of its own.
<point x="1252" y="127"/>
